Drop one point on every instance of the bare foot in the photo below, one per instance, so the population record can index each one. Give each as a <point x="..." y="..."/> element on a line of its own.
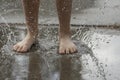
<point x="24" y="45"/>
<point x="67" y="46"/>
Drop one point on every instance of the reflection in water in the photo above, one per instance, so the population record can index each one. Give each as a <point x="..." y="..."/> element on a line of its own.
<point x="43" y="62"/>
<point x="70" y="68"/>
<point x="34" y="67"/>
<point x="66" y="67"/>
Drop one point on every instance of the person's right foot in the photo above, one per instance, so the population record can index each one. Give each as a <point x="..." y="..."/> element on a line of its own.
<point x="25" y="44"/>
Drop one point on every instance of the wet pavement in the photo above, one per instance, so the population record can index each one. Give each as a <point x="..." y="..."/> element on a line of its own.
<point x="97" y="57"/>
<point x="90" y="12"/>
<point x="98" y="47"/>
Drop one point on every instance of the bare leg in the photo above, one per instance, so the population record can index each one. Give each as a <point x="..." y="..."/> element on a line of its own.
<point x="31" y="9"/>
<point x="64" y="12"/>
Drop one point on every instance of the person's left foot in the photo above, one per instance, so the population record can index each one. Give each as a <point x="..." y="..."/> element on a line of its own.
<point x="67" y="46"/>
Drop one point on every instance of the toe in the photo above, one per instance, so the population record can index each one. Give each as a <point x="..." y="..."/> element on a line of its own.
<point x="20" y="48"/>
<point x="16" y="47"/>
<point x="24" y="49"/>
<point x="72" y="50"/>
<point x="67" y="50"/>
<point x="61" y="51"/>
<point x="75" y="50"/>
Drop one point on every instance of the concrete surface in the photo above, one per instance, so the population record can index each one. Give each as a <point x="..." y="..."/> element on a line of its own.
<point x="85" y="12"/>
<point x="97" y="57"/>
<point x="98" y="47"/>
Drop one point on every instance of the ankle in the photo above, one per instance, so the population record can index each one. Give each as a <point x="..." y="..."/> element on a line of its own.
<point x="31" y="36"/>
<point x="65" y="38"/>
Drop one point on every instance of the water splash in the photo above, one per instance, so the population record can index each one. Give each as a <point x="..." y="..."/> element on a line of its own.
<point x="91" y="64"/>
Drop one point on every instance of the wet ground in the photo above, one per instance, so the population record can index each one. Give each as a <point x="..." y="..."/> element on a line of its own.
<point x="98" y="47"/>
<point x="90" y="12"/>
<point x="97" y="57"/>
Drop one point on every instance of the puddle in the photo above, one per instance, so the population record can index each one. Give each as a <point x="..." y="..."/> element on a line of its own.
<point x="97" y="57"/>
